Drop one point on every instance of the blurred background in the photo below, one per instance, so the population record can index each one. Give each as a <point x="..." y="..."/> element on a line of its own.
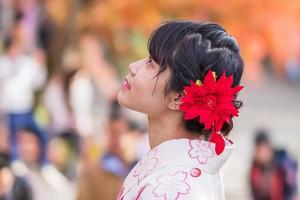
<point x="62" y="133"/>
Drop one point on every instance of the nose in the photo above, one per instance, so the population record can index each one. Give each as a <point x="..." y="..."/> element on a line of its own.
<point x="133" y="69"/>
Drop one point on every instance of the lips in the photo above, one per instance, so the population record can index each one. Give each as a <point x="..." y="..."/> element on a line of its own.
<point x="126" y="84"/>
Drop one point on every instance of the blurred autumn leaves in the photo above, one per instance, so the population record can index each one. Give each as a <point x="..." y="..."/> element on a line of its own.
<point x="262" y="27"/>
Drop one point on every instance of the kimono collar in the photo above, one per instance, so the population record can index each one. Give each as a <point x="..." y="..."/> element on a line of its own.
<point x="186" y="152"/>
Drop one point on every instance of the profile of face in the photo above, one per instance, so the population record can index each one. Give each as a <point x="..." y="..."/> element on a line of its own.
<point x="143" y="90"/>
<point x="180" y="52"/>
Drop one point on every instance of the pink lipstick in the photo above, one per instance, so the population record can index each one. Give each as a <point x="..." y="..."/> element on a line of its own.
<point x="126" y="85"/>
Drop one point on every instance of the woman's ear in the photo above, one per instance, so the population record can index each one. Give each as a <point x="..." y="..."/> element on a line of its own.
<point x="175" y="100"/>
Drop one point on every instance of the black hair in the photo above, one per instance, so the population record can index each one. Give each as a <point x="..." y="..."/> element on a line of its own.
<point x="28" y="129"/>
<point x="190" y="49"/>
<point x="261" y="137"/>
<point x="4" y="160"/>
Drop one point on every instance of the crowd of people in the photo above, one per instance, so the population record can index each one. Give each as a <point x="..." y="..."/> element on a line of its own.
<point x="62" y="134"/>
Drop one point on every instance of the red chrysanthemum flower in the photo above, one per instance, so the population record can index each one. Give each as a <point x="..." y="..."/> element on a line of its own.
<point x="212" y="102"/>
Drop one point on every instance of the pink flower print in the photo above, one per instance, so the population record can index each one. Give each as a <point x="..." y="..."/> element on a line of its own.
<point x="146" y="165"/>
<point x="138" y="197"/>
<point x="202" y="150"/>
<point x="172" y="186"/>
<point x="134" y="195"/>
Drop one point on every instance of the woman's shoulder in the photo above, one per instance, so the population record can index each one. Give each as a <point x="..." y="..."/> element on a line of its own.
<point x="190" y="165"/>
<point x="177" y="182"/>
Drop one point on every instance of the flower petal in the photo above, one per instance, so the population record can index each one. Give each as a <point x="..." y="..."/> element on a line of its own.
<point x="209" y="81"/>
<point x="212" y="102"/>
<point x="219" y="141"/>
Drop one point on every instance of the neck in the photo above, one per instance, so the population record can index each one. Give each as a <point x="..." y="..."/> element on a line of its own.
<point x="166" y="127"/>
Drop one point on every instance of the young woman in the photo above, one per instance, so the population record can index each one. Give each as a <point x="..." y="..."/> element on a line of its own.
<point x="187" y="86"/>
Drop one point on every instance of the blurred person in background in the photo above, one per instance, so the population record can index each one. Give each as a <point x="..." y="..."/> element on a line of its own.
<point x="273" y="172"/>
<point x="103" y="180"/>
<point x="117" y="159"/>
<point x="21" y="76"/>
<point x="29" y="12"/>
<point x="63" y="153"/>
<point x="12" y="187"/>
<point x="56" y="101"/>
<point x="47" y="181"/>
<point x="29" y="165"/>
<point x="6" y="17"/>
<point x="29" y="149"/>
<point x="92" y="88"/>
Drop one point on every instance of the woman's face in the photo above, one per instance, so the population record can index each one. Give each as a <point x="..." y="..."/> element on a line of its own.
<point x="139" y="92"/>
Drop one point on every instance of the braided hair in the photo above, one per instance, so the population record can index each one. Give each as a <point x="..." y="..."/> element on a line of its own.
<point x="190" y="49"/>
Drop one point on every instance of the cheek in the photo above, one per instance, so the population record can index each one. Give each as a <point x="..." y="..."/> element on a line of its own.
<point x="140" y="98"/>
<point x="146" y="94"/>
<point x="141" y="94"/>
<point x="149" y="98"/>
<point x="143" y="87"/>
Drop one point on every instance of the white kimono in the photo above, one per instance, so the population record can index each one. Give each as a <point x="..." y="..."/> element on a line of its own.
<point x="179" y="169"/>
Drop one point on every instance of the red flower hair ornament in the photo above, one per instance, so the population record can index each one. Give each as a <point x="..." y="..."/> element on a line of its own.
<point x="211" y="101"/>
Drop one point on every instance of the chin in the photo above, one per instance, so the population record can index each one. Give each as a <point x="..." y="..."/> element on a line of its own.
<point x="120" y="98"/>
<point x="126" y="102"/>
<point x="123" y="100"/>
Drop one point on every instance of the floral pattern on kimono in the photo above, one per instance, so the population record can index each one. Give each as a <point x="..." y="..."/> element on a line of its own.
<point x="202" y="150"/>
<point x="179" y="169"/>
<point x="171" y="186"/>
<point x="146" y="165"/>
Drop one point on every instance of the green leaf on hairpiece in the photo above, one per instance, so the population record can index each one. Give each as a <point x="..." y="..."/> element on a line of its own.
<point x="215" y="75"/>
<point x="198" y="82"/>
